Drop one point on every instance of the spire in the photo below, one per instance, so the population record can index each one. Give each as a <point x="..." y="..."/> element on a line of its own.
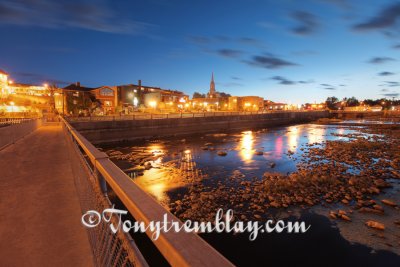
<point x="211" y="94"/>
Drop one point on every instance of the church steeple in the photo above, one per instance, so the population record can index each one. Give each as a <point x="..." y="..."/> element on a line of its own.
<point x="212" y="93"/>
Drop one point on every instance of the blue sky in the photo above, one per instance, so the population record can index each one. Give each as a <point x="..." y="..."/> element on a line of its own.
<point x="286" y="50"/>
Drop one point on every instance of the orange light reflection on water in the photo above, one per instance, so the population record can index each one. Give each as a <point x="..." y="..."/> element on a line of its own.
<point x="246" y="146"/>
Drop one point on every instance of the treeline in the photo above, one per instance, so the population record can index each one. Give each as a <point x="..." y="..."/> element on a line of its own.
<point x="335" y="104"/>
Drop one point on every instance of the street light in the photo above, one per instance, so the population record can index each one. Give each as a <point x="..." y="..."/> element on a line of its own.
<point x="153" y="104"/>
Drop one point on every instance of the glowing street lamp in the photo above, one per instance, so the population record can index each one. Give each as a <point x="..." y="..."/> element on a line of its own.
<point x="153" y="104"/>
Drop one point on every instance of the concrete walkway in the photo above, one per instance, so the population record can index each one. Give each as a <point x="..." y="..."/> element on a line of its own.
<point x="39" y="207"/>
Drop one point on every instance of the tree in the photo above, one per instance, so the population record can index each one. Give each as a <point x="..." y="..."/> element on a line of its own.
<point x="198" y="95"/>
<point x="222" y="94"/>
<point x="331" y="102"/>
<point x="352" y="102"/>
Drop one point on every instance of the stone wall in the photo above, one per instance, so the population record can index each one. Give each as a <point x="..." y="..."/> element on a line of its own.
<point x="114" y="131"/>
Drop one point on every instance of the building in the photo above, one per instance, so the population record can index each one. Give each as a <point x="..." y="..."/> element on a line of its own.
<point x="166" y="100"/>
<point x="3" y="84"/>
<point x="75" y="99"/>
<point x="107" y="97"/>
<point x="245" y="103"/>
<point x="269" y="105"/>
<point x="133" y="97"/>
<point x="213" y="101"/>
<point x="21" y="98"/>
<point x="315" y="106"/>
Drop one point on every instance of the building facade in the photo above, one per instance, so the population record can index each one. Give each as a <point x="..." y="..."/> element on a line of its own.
<point x="246" y="103"/>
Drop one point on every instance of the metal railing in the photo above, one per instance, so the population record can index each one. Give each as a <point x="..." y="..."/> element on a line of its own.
<point x="179" y="249"/>
<point x="152" y="116"/>
<point x="11" y="130"/>
<point x="11" y="121"/>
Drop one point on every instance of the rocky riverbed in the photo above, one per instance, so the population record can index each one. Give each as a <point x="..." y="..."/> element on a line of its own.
<point x="351" y="176"/>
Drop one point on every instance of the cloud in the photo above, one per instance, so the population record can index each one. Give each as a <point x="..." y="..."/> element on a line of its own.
<point x="384" y="90"/>
<point x="305" y="82"/>
<point x="392" y="84"/>
<point x="330" y="88"/>
<point x="385" y="73"/>
<point x="269" y="62"/>
<point x="325" y="84"/>
<point x="236" y="78"/>
<point x="88" y="15"/>
<point x="386" y="18"/>
<point x="308" y="23"/>
<point x="230" y="84"/>
<point x="250" y="41"/>
<point x="392" y="95"/>
<point x="36" y="78"/>
<point x="200" y="40"/>
<point x="396" y="46"/>
<point x="379" y="60"/>
<point x="283" y="80"/>
<point x="342" y="85"/>
<point x="226" y="52"/>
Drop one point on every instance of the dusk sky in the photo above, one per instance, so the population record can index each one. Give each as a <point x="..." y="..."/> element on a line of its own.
<point x="291" y="51"/>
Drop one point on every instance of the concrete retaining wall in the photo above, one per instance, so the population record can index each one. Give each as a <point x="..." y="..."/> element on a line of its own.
<point x="114" y="131"/>
<point x="10" y="134"/>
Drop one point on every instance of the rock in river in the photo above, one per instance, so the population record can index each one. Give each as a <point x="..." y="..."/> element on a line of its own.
<point x="375" y="225"/>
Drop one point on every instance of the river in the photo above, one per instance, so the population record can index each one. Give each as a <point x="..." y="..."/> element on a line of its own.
<point x="174" y="165"/>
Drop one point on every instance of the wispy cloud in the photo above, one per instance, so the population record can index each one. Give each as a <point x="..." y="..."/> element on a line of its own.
<point x="231" y="53"/>
<point x="397" y="46"/>
<point x="283" y="80"/>
<point x="308" y="23"/>
<point x="386" y="18"/>
<point x="392" y="83"/>
<point x="89" y="15"/>
<point x="236" y="78"/>
<point x="392" y="95"/>
<point x="385" y="73"/>
<point x="36" y="78"/>
<point x="380" y="60"/>
<point x="230" y="84"/>
<point x="269" y="62"/>
<point x="327" y="86"/>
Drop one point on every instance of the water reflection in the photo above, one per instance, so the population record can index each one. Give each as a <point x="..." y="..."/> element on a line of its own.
<point x="316" y="134"/>
<point x="157" y="183"/>
<point x="293" y="137"/>
<point x="246" y="146"/>
<point x="278" y="148"/>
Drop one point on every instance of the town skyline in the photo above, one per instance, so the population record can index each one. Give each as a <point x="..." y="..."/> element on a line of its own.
<point x="285" y="52"/>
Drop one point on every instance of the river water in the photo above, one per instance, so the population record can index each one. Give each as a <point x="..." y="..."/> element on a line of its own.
<point x="178" y="162"/>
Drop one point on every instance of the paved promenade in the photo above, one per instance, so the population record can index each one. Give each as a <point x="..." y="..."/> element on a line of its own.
<point x="39" y="207"/>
